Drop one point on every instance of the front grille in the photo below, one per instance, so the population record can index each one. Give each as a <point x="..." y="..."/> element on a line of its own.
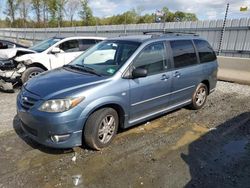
<point x="29" y="130"/>
<point x="27" y="100"/>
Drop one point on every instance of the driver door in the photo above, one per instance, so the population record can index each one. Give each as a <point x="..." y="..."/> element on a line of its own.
<point x="150" y="94"/>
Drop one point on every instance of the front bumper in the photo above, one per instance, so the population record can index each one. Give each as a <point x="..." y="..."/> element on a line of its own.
<point x="40" y="126"/>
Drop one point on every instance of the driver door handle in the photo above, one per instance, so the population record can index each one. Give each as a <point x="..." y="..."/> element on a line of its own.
<point x="164" y="77"/>
<point x="177" y="74"/>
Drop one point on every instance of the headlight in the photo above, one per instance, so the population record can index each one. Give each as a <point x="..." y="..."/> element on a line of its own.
<point x="60" y="105"/>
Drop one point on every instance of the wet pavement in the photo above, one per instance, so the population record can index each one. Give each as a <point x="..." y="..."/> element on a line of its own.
<point x="185" y="148"/>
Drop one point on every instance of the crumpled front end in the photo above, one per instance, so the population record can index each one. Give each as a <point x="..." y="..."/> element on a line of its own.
<point x="10" y="69"/>
<point x="10" y="74"/>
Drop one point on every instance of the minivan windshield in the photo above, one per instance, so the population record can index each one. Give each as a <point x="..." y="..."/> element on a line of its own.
<point x="106" y="57"/>
<point x="44" y="45"/>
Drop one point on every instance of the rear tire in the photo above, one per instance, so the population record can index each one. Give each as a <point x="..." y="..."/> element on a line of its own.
<point x="199" y="97"/>
<point x="101" y="128"/>
<point x="30" y="73"/>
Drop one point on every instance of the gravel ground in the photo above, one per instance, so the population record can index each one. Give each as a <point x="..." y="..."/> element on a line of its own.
<point x="7" y="110"/>
<point x="205" y="148"/>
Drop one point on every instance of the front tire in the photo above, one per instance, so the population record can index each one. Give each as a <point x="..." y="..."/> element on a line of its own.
<point x="30" y="73"/>
<point x="199" y="97"/>
<point x="101" y="128"/>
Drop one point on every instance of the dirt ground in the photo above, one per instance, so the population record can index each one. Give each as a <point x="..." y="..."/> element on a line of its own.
<point x="185" y="148"/>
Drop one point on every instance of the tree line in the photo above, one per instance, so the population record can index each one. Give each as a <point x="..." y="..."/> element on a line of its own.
<point x="65" y="13"/>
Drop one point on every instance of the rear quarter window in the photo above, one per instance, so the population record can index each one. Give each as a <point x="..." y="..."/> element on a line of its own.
<point x="183" y="53"/>
<point x="206" y="53"/>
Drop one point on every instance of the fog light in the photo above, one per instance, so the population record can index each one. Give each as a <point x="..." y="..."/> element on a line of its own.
<point x="59" y="138"/>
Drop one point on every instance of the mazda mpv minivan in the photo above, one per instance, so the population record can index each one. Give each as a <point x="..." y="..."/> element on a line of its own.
<point x="118" y="83"/>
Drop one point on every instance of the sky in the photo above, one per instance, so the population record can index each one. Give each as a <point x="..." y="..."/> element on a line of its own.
<point x="204" y="9"/>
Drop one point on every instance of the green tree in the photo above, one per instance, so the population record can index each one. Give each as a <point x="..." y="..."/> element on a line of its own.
<point x="24" y="7"/>
<point x="52" y="8"/>
<point x="11" y="9"/>
<point x="45" y="11"/>
<point x="72" y="7"/>
<point x="179" y="16"/>
<point x="37" y="6"/>
<point x="86" y="13"/>
<point x="60" y="10"/>
<point x="190" y="17"/>
<point x="147" y="18"/>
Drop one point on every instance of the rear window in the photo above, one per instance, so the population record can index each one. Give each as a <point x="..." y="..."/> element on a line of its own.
<point x="183" y="53"/>
<point x="206" y="53"/>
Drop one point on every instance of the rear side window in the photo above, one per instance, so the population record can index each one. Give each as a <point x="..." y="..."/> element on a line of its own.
<point x="206" y="53"/>
<point x="183" y="53"/>
<point x="86" y="43"/>
<point x="152" y="58"/>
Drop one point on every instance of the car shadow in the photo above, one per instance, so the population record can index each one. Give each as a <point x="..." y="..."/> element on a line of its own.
<point x="220" y="158"/>
<point x="17" y="128"/>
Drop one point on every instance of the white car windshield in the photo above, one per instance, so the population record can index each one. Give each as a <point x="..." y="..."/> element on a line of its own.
<point x="44" y="45"/>
<point x="106" y="57"/>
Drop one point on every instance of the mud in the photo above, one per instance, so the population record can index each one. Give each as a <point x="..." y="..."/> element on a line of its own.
<point x="185" y="148"/>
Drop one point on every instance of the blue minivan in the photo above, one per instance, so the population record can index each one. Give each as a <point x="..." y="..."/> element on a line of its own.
<point x="118" y="83"/>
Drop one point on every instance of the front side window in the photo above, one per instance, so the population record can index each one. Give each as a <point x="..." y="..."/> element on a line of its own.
<point x="152" y="58"/>
<point x="183" y="53"/>
<point x="6" y="45"/>
<point x="206" y="53"/>
<point x="106" y="57"/>
<point x="70" y="46"/>
<point x="2" y="46"/>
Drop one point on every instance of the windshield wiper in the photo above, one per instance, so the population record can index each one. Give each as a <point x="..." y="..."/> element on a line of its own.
<point x="83" y="68"/>
<point x="73" y="67"/>
<point x="88" y="69"/>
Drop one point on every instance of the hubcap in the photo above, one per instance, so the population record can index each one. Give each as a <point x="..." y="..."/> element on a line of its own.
<point x="200" y="96"/>
<point x="106" y="129"/>
<point x="33" y="74"/>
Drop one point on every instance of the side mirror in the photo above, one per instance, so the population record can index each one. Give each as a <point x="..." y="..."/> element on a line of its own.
<point x="55" y="50"/>
<point x="139" y="72"/>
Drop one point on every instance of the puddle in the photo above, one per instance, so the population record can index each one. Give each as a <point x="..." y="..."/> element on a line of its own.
<point x="190" y="136"/>
<point x="235" y="148"/>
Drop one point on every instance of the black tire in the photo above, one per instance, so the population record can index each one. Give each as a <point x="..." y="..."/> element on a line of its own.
<point x="94" y="127"/>
<point x="199" y="97"/>
<point x="30" y="72"/>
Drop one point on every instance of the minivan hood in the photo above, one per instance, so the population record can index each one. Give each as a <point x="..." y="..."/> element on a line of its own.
<point x="58" y="81"/>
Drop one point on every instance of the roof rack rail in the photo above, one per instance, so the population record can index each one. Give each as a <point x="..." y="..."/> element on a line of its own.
<point x="158" y="33"/>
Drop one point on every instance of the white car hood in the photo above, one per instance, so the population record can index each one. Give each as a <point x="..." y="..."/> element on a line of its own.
<point x="10" y="53"/>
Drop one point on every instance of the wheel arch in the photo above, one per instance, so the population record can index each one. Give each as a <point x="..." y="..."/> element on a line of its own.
<point x="206" y="82"/>
<point x="119" y="108"/>
<point x="37" y="65"/>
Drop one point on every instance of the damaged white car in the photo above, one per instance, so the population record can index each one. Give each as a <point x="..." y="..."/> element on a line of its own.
<point x="11" y="70"/>
<point x="18" y="65"/>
